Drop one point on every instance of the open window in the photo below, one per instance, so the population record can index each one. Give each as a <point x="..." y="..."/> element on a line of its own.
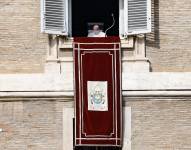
<point x="85" y="12"/>
<point x="71" y="17"/>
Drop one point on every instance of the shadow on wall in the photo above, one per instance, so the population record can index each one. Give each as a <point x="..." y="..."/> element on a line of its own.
<point x="153" y="39"/>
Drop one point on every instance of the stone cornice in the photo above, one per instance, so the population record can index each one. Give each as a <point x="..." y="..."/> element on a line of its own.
<point x="56" y="86"/>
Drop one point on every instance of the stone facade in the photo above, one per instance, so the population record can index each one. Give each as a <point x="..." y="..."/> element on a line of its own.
<point x="156" y="112"/>
<point x="31" y="125"/>
<point x="22" y="46"/>
<point x="37" y="124"/>
<point x="160" y="124"/>
<point x="36" y="82"/>
<point x="168" y="47"/>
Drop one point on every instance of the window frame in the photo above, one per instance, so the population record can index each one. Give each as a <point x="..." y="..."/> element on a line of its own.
<point x="123" y="19"/>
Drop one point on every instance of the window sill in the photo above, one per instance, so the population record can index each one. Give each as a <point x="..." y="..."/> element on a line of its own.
<point x="67" y="43"/>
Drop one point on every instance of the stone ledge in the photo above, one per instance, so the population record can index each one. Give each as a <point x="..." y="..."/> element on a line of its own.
<point x="64" y="82"/>
<point x="70" y="94"/>
<point x="67" y="43"/>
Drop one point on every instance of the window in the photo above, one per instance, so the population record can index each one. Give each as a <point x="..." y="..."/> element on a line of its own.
<point x="87" y="11"/>
<point x="71" y="17"/>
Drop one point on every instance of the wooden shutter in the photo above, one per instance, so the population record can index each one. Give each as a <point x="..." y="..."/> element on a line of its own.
<point x="137" y="16"/>
<point x="54" y="16"/>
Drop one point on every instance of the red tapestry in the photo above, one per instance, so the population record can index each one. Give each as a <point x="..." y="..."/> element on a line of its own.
<point x="98" y="106"/>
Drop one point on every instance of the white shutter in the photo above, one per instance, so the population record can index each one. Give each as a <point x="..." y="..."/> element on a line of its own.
<point x="137" y="17"/>
<point x="54" y="16"/>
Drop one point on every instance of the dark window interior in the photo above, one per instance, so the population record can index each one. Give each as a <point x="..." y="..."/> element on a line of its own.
<point x="85" y="11"/>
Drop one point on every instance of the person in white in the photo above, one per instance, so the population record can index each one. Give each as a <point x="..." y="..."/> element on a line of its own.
<point x="96" y="32"/>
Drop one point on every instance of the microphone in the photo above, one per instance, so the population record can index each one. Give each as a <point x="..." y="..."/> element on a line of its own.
<point x="113" y="24"/>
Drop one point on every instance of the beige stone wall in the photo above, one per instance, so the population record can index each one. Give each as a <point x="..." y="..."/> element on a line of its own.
<point x="38" y="124"/>
<point x="32" y="125"/>
<point x="160" y="125"/>
<point x="22" y="46"/>
<point x="168" y="48"/>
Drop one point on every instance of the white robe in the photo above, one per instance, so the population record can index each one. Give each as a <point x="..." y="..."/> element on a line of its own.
<point x="96" y="34"/>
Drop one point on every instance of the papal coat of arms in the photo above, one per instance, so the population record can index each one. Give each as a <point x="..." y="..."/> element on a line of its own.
<point x="97" y="96"/>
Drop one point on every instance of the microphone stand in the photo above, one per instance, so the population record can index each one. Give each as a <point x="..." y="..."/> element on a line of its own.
<point x="113" y="24"/>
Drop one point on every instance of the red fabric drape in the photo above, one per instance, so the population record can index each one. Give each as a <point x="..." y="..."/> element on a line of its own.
<point x="97" y="60"/>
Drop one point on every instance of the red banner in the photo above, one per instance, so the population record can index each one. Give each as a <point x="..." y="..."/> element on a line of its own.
<point x="98" y="106"/>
